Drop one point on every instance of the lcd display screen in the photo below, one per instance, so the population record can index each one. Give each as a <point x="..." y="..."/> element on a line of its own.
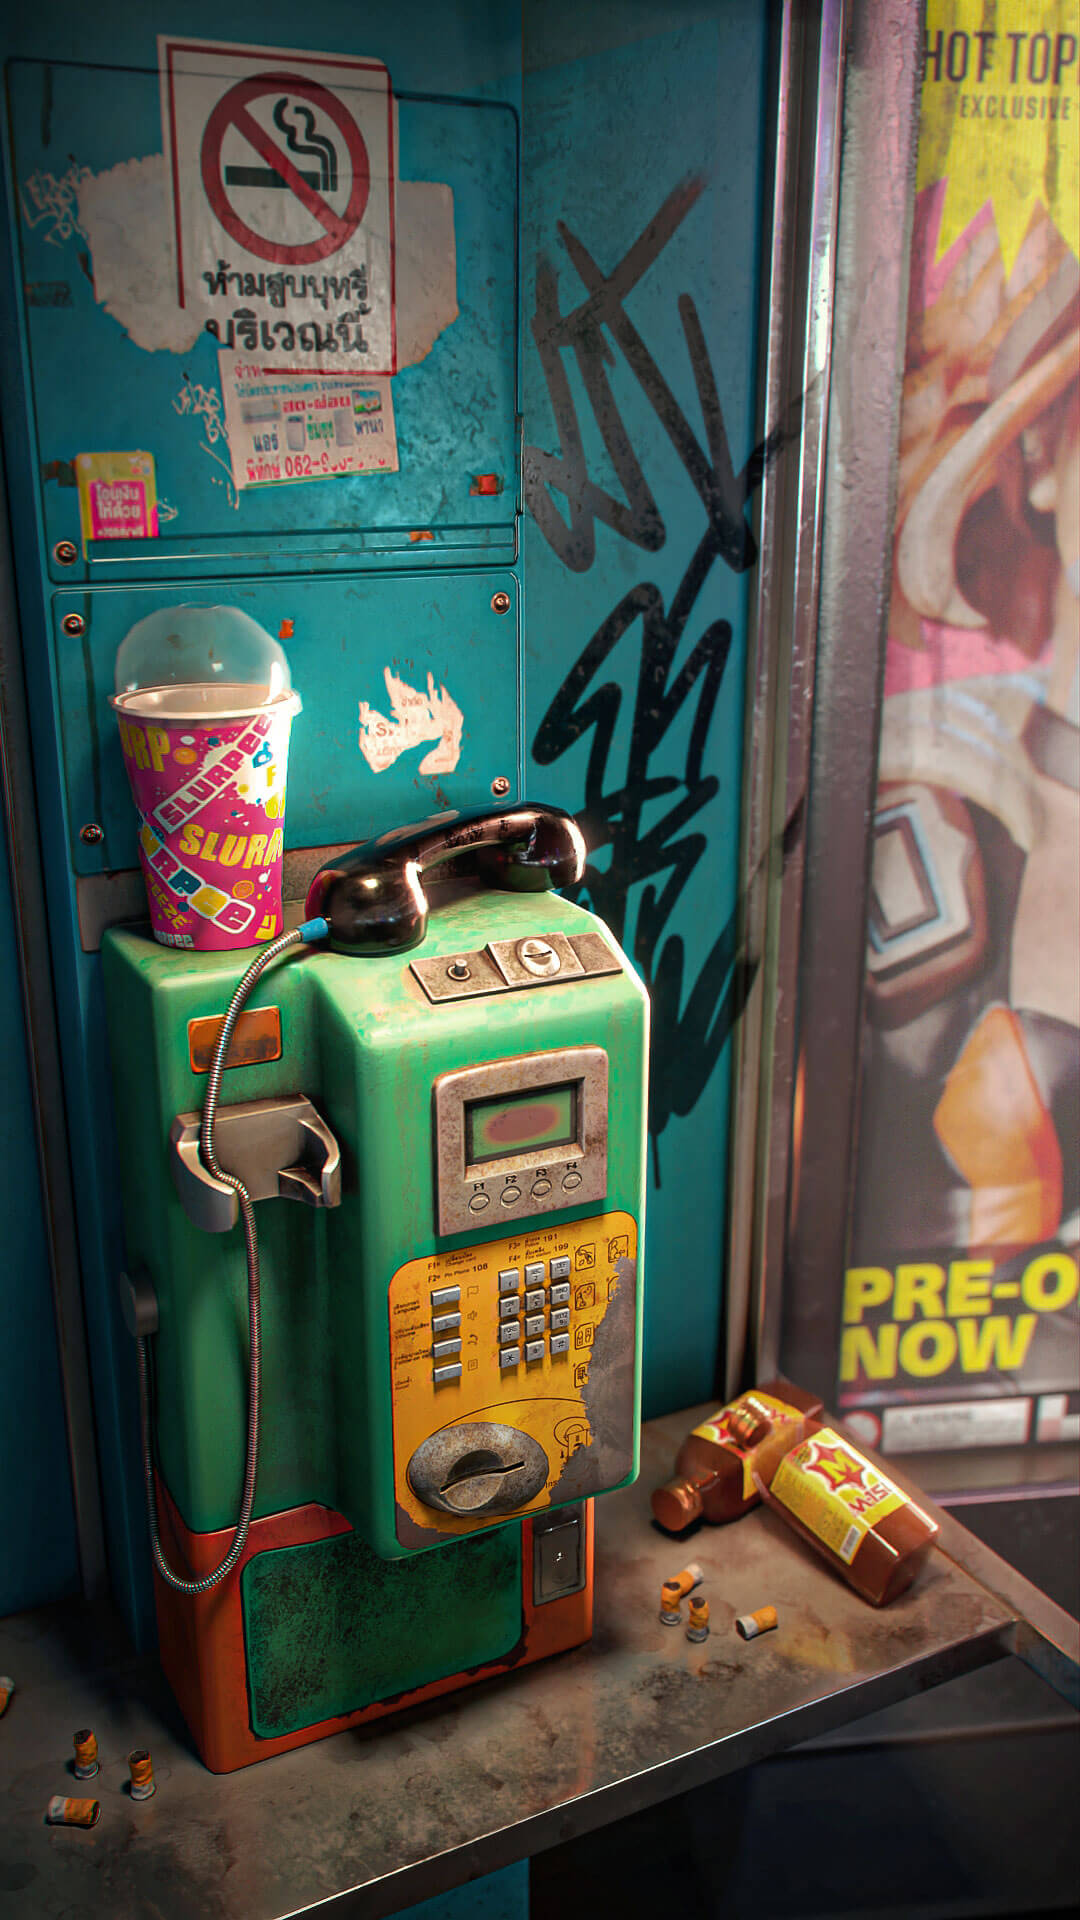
<point x="520" y="1123"/>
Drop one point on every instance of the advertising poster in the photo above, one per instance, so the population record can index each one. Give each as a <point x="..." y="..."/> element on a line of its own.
<point x="960" y="1316"/>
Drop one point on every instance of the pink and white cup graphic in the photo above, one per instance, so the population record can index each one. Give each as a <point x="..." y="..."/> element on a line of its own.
<point x="207" y="766"/>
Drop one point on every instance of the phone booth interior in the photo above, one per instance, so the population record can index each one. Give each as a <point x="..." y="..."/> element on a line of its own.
<point x="452" y="429"/>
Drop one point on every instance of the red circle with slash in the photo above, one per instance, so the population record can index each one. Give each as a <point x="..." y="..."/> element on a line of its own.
<point x="232" y="110"/>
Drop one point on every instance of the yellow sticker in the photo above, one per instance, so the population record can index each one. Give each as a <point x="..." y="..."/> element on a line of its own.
<point x="717" y="1428"/>
<point x="835" y="1492"/>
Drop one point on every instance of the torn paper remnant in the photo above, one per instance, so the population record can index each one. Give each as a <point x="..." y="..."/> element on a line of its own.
<point x="414" y="719"/>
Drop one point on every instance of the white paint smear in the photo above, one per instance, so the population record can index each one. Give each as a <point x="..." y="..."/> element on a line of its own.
<point x="414" y="719"/>
<point x="125" y="216"/>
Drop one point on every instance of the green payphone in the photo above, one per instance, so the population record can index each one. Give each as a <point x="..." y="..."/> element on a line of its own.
<point x="407" y="1388"/>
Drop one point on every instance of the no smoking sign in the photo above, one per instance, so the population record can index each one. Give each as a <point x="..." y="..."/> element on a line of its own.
<point x="281" y="166"/>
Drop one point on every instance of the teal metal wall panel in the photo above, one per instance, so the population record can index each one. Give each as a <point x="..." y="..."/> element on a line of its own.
<point x="642" y="227"/>
<point x="38" y="1554"/>
<point x="432" y="631"/>
<point x="497" y="1896"/>
<point x="95" y="390"/>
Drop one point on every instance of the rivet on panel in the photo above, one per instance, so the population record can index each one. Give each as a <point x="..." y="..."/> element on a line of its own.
<point x="73" y="624"/>
<point x="91" y="835"/>
<point x="500" y="603"/>
<point x="500" y="785"/>
<point x="65" y="553"/>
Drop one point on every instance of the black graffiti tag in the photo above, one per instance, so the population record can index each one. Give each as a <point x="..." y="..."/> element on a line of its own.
<point x="688" y="1034"/>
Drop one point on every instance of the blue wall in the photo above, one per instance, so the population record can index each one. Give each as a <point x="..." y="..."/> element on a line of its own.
<point x="615" y="687"/>
<point x="38" y="1560"/>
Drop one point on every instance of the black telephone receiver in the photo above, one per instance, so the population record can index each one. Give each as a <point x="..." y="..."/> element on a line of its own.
<point x="374" y="898"/>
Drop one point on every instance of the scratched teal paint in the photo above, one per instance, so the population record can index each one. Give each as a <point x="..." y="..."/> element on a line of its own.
<point x="607" y="139"/>
<point x="497" y="1896"/>
<point x="38" y="1557"/>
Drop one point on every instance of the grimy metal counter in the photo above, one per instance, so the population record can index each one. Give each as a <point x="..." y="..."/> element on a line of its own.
<point x="372" y="1820"/>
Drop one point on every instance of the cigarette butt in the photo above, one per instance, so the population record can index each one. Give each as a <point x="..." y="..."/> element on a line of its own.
<point x="688" y="1579"/>
<point x="699" y="1620"/>
<point x="72" y="1813"/>
<point x="671" y="1603"/>
<point x="141" y="1768"/>
<point x="7" y="1688"/>
<point x="749" y="1625"/>
<point x="86" y="1755"/>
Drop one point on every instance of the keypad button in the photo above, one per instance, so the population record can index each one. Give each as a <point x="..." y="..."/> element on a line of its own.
<point x="509" y="1306"/>
<point x="560" y="1268"/>
<point x="509" y="1356"/>
<point x="510" y="1196"/>
<point x="510" y="1330"/>
<point x="534" y="1274"/>
<point x="443" y="1349"/>
<point x="570" y="1182"/>
<point x="441" y="1375"/>
<point x="560" y="1343"/>
<point x="509" y="1279"/>
<point x="445" y="1322"/>
<point x="445" y="1297"/>
<point x="540" y="1189"/>
<point x="534" y="1301"/>
<point x="560" y="1319"/>
<point x="560" y="1295"/>
<point x="533" y="1351"/>
<point x="480" y="1201"/>
<point x="534" y="1328"/>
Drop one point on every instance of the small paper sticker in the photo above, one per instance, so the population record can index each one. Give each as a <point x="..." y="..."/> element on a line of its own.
<point x="285" y="426"/>
<point x="117" y="496"/>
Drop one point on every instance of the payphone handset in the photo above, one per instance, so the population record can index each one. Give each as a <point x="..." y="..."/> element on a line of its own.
<point x="487" y="1096"/>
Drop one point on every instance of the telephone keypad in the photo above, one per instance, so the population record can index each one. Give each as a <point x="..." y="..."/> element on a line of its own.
<point x="546" y="1306"/>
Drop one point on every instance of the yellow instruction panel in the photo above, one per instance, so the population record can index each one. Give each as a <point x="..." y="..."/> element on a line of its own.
<point x="513" y="1375"/>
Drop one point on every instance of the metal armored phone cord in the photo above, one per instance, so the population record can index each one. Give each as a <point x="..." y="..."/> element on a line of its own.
<point x="311" y="930"/>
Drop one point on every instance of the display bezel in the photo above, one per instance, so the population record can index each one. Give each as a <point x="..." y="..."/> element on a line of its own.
<point x="458" y="1179"/>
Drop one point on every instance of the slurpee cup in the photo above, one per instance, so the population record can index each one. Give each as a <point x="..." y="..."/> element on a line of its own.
<point x="204" y="700"/>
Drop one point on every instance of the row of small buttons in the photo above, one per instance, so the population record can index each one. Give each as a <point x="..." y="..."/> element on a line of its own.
<point x="534" y="1350"/>
<point x="445" y="1323"/>
<point x="510" y="1277"/>
<point x="510" y="1195"/>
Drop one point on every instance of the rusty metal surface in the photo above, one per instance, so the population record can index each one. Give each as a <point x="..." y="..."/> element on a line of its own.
<point x="374" y="1820"/>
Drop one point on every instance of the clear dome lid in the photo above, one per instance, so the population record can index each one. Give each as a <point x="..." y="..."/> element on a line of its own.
<point x="191" y="663"/>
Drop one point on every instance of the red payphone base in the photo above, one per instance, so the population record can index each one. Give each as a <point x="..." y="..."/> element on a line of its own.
<point x="310" y="1623"/>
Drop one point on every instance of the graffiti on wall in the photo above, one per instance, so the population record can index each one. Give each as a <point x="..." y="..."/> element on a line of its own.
<point x="638" y="887"/>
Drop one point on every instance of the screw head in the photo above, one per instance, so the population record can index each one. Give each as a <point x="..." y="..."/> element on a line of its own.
<point x="65" y="553"/>
<point x="457" y="970"/>
<point x="500" y="786"/>
<point x="500" y="603"/>
<point x="73" y="624"/>
<point x="91" y="835"/>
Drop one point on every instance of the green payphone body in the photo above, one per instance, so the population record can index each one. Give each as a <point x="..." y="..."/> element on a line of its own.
<point x="449" y="1342"/>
